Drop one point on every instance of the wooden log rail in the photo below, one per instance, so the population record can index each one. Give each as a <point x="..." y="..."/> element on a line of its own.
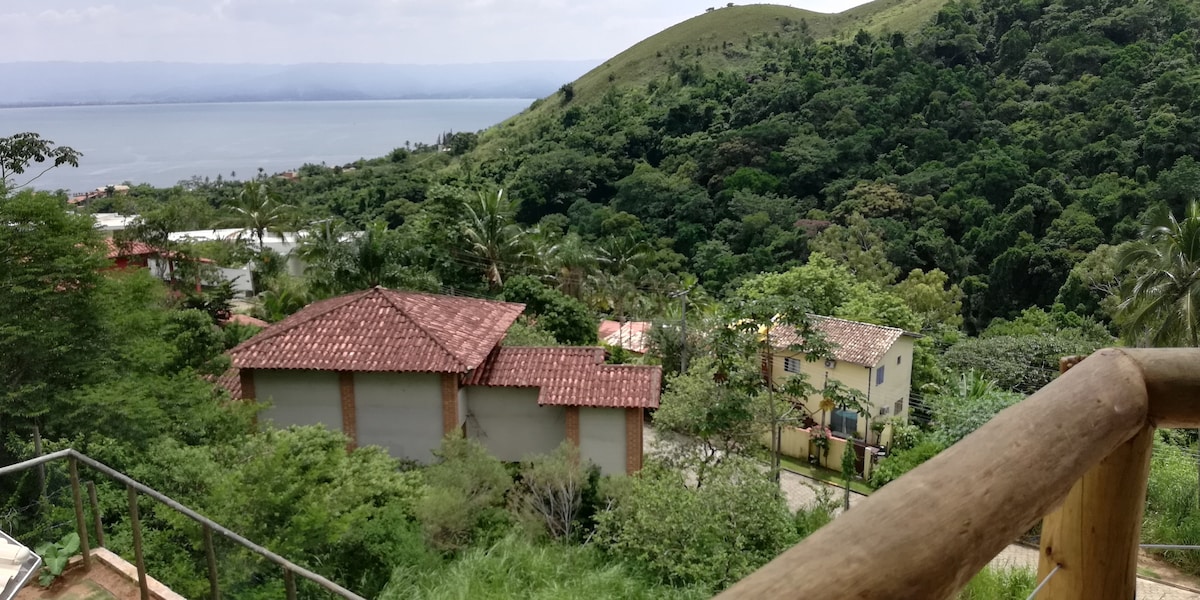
<point x="1076" y="452"/>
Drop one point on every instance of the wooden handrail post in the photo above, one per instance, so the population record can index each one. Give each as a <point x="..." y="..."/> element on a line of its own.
<point x="1094" y="535"/>
<point x="91" y="488"/>
<point x="80" y="522"/>
<point x="135" y="524"/>
<point x="210" y="555"/>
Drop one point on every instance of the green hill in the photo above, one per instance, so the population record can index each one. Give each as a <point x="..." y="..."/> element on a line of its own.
<point x="720" y="39"/>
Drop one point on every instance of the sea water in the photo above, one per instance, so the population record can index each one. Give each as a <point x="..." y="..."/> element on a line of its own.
<point x="163" y="144"/>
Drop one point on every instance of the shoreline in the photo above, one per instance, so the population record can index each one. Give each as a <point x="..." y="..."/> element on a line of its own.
<point x="17" y="106"/>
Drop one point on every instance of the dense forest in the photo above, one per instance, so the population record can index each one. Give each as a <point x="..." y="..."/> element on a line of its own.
<point x="1013" y="180"/>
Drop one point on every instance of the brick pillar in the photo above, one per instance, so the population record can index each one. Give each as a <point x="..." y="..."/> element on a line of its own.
<point x="246" y="381"/>
<point x="349" y="409"/>
<point x="246" y="377"/>
<point x="573" y="425"/>
<point x="633" y="440"/>
<point x="449" y="403"/>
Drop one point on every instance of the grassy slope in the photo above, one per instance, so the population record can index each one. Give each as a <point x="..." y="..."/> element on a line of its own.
<point x="649" y="59"/>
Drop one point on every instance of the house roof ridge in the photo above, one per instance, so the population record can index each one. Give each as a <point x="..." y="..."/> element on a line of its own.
<point x="417" y="323"/>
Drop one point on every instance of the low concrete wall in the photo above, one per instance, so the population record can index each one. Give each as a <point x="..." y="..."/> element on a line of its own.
<point x="797" y="443"/>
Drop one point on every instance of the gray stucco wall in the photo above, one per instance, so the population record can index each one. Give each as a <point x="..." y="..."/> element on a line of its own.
<point x="299" y="397"/>
<point x="602" y="438"/>
<point x="511" y="425"/>
<point x="401" y="412"/>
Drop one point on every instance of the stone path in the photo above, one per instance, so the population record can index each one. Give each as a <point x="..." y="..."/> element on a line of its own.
<point x="802" y="491"/>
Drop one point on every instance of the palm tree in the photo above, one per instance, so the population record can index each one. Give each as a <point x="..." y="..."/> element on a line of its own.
<point x="1160" y="306"/>
<point x="495" y="238"/>
<point x="572" y="263"/>
<point x="1160" y="303"/>
<point x="258" y="210"/>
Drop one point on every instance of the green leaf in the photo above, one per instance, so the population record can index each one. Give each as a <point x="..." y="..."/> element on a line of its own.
<point x="69" y="544"/>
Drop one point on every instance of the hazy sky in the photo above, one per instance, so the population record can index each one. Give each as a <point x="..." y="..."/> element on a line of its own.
<point x="289" y="31"/>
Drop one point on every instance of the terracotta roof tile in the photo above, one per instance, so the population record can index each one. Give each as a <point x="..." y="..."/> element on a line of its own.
<point x="570" y="377"/>
<point x="231" y="381"/>
<point x="131" y="248"/>
<point x="631" y="335"/>
<point x="850" y="341"/>
<point x="382" y="330"/>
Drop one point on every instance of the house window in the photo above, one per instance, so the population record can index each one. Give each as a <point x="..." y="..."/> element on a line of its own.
<point x="844" y="422"/>
<point x="898" y="359"/>
<point x="791" y="365"/>
<point x="879" y="376"/>
<point x="899" y="408"/>
<point x="883" y="411"/>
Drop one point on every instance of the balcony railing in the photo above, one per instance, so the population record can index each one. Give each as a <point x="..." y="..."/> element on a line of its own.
<point x="290" y="570"/>
<point x="1076" y="454"/>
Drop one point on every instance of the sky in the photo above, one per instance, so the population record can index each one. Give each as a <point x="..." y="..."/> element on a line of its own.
<point x="374" y="31"/>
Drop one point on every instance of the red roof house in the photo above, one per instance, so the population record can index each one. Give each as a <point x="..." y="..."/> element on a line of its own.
<point x="401" y="370"/>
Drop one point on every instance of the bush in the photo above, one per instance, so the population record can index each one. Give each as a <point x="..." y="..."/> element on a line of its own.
<point x="465" y="498"/>
<point x="903" y="461"/>
<point x="549" y="492"/>
<point x="708" y="537"/>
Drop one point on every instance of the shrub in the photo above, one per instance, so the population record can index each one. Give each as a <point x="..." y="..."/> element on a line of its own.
<point x="903" y="461"/>
<point x="708" y="537"/>
<point x="549" y="492"/>
<point x="465" y="497"/>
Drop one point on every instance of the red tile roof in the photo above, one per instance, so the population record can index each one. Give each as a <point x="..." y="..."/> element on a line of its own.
<point x="570" y="377"/>
<point x="382" y="330"/>
<point x="631" y="335"/>
<point x="850" y="341"/>
<point x="231" y="381"/>
<point x="131" y="248"/>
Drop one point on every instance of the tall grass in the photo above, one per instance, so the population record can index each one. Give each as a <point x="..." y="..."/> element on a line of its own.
<point x="1000" y="584"/>
<point x="1172" y="515"/>
<point x="517" y="568"/>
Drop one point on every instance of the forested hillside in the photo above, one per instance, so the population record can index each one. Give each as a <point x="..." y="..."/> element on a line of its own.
<point x="983" y="173"/>
<point x="1001" y="143"/>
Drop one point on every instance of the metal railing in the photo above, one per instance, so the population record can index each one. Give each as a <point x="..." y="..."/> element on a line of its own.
<point x="1077" y="452"/>
<point x="290" y="569"/>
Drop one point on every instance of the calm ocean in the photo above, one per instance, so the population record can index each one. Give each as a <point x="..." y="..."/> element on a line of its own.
<point x="164" y="143"/>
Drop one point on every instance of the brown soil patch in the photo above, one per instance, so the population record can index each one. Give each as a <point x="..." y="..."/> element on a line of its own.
<point x="1166" y="572"/>
<point x="100" y="583"/>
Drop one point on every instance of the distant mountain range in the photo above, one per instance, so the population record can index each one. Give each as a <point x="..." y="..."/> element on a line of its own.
<point x="69" y="83"/>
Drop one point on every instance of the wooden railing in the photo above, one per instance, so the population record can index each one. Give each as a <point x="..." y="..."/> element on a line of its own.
<point x="133" y="488"/>
<point x="1077" y="453"/>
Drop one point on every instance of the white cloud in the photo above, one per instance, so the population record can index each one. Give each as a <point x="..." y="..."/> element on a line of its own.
<point x="291" y="31"/>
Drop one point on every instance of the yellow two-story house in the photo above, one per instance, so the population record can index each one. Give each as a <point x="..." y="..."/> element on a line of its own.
<point x="872" y="359"/>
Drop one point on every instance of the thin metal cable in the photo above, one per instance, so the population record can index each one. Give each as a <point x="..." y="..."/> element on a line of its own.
<point x="1041" y="585"/>
<point x="1169" y="547"/>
